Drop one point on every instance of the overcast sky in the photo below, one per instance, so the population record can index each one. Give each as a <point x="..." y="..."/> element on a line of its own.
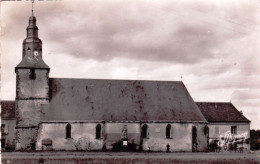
<point x="213" y="44"/>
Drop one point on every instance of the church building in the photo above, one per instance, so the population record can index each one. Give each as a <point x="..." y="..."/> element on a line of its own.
<point x="98" y="114"/>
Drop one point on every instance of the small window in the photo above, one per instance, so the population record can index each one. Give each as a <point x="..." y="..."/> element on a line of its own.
<point x="2" y="143"/>
<point x="68" y="131"/>
<point x="145" y="132"/>
<point x="206" y="130"/>
<point x="168" y="131"/>
<point x="4" y="129"/>
<point x="216" y="130"/>
<point x="233" y="129"/>
<point x="28" y="48"/>
<point x="32" y="74"/>
<point x="98" y="131"/>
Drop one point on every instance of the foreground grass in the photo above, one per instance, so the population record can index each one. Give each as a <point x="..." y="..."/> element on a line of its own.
<point x="127" y="157"/>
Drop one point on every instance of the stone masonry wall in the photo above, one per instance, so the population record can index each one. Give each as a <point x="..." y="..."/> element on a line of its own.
<point x="30" y="94"/>
<point x="83" y="136"/>
<point x="181" y="139"/>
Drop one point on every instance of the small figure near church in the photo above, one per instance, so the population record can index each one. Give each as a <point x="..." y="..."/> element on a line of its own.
<point x="124" y="132"/>
<point x="168" y="147"/>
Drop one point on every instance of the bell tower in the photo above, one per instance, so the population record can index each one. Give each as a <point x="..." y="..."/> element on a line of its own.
<point x="32" y="88"/>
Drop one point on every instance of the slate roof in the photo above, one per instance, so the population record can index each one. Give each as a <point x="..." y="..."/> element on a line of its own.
<point x="120" y="100"/>
<point x="30" y="61"/>
<point x="7" y="109"/>
<point x="221" y="112"/>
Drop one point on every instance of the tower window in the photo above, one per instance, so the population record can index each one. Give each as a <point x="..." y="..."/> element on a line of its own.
<point x="98" y="131"/>
<point x="68" y="131"/>
<point x="32" y="74"/>
<point x="233" y="129"/>
<point x="168" y="131"/>
<point x="145" y="132"/>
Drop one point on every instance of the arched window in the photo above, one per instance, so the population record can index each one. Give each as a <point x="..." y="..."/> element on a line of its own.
<point x="98" y="131"/>
<point x="68" y="131"/>
<point x="194" y="139"/>
<point x="145" y="133"/>
<point x="168" y="131"/>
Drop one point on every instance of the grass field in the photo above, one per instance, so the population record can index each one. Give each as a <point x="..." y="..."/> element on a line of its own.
<point x="127" y="157"/>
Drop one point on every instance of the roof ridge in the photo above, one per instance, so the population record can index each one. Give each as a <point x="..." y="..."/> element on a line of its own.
<point x="213" y="102"/>
<point x="115" y="79"/>
<point x="7" y="100"/>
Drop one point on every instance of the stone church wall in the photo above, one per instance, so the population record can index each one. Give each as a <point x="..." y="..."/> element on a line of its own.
<point x="82" y="136"/>
<point x="180" y="140"/>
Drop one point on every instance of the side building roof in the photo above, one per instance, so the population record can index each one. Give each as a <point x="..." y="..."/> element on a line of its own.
<point x="221" y="112"/>
<point x="7" y="109"/>
<point x="120" y="100"/>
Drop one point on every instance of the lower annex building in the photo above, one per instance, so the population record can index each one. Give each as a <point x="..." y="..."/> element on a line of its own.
<point x="98" y="114"/>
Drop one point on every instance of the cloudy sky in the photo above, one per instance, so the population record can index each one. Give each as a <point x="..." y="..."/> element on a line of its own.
<point x="214" y="45"/>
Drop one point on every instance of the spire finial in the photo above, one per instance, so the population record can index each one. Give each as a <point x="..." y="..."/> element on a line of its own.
<point x="32" y="6"/>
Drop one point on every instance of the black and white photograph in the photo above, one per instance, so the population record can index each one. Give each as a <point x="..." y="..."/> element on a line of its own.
<point x="140" y="81"/>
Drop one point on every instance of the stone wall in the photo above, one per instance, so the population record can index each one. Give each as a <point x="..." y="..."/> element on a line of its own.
<point x="31" y="93"/>
<point x="83" y="136"/>
<point x="26" y="138"/>
<point x="181" y="139"/>
<point x="32" y="88"/>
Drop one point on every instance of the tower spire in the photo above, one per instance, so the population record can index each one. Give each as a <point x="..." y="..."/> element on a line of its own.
<point x="32" y="6"/>
<point x="32" y="47"/>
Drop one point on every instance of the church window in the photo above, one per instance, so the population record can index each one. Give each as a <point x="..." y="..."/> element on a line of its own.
<point x="32" y="74"/>
<point x="206" y="130"/>
<point x="68" y="131"/>
<point x="168" y="131"/>
<point x="145" y="133"/>
<point x="98" y="131"/>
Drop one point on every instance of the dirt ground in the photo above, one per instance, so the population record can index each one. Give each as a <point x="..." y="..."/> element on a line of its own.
<point x="127" y="157"/>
